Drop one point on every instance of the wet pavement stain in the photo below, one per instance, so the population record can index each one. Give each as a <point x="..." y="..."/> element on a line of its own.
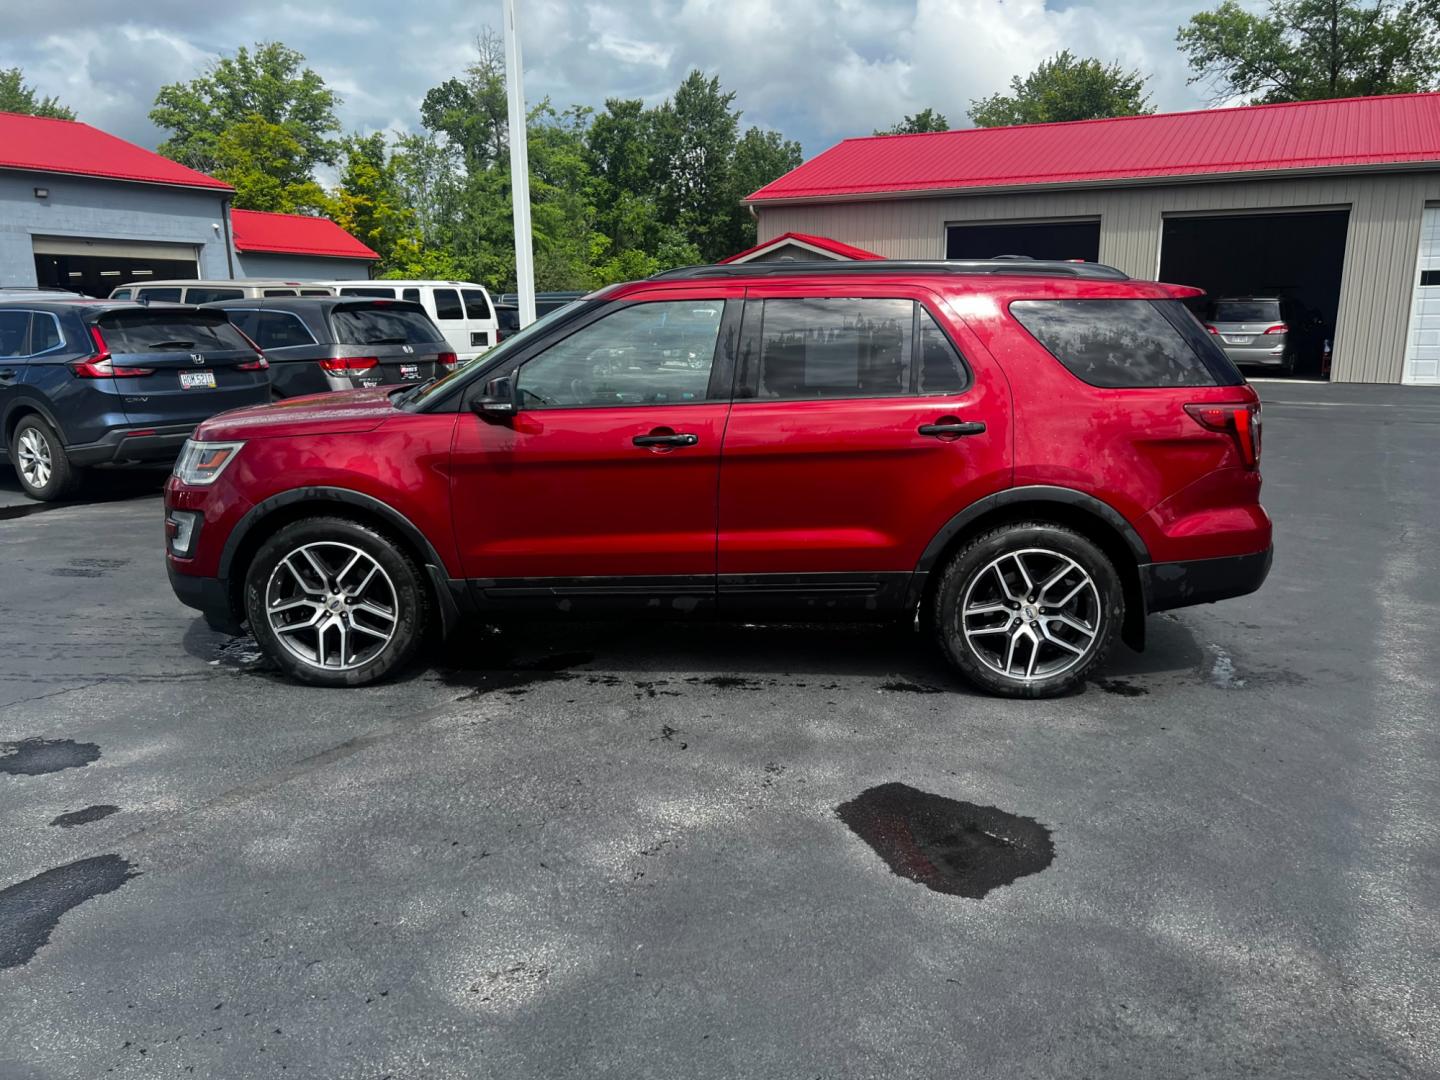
<point x="1120" y="687"/>
<point x="85" y="816"/>
<point x="30" y="910"/>
<point x="952" y="847"/>
<point x="729" y="682"/>
<point x="75" y="571"/>
<point x="35" y="757"/>
<point x="244" y="654"/>
<point x="900" y="686"/>
<point x="517" y="676"/>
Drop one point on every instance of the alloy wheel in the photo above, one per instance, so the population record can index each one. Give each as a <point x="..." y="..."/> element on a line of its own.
<point x="35" y="460"/>
<point x="331" y="605"/>
<point x="1031" y="614"/>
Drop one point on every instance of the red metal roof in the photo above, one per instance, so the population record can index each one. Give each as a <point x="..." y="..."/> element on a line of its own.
<point x="294" y="234"/>
<point x="66" y="146"/>
<point x="1298" y="135"/>
<point x="824" y="243"/>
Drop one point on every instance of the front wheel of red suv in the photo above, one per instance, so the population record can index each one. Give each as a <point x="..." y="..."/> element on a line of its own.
<point x="1027" y="610"/>
<point x="335" y="602"/>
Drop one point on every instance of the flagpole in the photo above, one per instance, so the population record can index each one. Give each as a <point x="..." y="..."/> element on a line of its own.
<point x="519" y="169"/>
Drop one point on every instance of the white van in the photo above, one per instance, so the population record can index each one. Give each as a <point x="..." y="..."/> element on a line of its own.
<point x="461" y="309"/>
<point x="209" y="292"/>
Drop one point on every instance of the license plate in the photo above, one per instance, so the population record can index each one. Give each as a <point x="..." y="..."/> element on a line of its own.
<point x="409" y="371"/>
<point x="1236" y="339"/>
<point x="197" y="380"/>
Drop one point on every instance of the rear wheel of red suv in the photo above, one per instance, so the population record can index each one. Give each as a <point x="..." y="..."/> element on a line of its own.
<point x="335" y="602"/>
<point x="1027" y="610"/>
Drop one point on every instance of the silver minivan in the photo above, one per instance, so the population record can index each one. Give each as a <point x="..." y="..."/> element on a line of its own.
<point x="461" y="309"/>
<point x="1252" y="330"/>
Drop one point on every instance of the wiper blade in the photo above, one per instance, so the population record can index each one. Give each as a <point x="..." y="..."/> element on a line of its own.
<point x="386" y="341"/>
<point x="176" y="344"/>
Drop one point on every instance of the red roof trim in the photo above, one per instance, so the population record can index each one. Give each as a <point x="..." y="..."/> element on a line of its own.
<point x="845" y="251"/>
<point x="294" y="234"/>
<point x="1392" y="130"/>
<point x="68" y="147"/>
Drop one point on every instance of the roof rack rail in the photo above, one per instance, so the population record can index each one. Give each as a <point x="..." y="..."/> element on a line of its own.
<point x="1009" y="264"/>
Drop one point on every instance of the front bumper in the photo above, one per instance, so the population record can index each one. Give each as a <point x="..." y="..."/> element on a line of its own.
<point x="207" y="595"/>
<point x="1203" y="581"/>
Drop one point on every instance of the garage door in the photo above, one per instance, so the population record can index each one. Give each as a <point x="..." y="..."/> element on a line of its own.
<point x="1422" y="350"/>
<point x="1069" y="239"/>
<point x="95" y="266"/>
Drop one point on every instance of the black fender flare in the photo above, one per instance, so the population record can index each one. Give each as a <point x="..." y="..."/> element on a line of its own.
<point x="433" y="566"/>
<point x="1033" y="493"/>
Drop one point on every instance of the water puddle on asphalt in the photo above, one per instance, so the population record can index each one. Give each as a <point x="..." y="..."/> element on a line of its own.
<point x="1119" y="687"/>
<point x="35" y="757"/>
<point x="30" y="910"/>
<point x="516" y="676"/>
<point x="952" y="847"/>
<point x="85" y="816"/>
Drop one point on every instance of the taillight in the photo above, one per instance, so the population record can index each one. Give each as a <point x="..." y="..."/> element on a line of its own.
<point x="447" y="360"/>
<point x="258" y="364"/>
<point x="348" y="365"/>
<point x="1278" y="328"/>
<point x="101" y="366"/>
<point x="499" y="336"/>
<point x="1211" y="329"/>
<point x="1240" y="422"/>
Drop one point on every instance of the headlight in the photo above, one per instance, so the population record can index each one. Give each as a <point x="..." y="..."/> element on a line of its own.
<point x="202" y="462"/>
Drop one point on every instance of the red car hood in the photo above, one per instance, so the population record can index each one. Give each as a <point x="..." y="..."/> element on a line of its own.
<point x="315" y="414"/>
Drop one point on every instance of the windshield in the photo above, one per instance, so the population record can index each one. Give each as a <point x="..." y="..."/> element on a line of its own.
<point x="420" y="396"/>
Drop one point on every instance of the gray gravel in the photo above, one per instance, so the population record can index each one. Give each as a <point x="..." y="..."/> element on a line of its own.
<point x="613" y="850"/>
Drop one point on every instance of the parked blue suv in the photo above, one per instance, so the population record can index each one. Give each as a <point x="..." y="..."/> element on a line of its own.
<point x="99" y="382"/>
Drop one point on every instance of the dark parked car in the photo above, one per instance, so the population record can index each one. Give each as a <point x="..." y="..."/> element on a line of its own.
<point x="97" y="382"/>
<point x="1028" y="458"/>
<point x="320" y="343"/>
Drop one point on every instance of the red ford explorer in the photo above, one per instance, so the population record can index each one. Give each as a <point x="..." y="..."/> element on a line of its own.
<point x="1031" y="456"/>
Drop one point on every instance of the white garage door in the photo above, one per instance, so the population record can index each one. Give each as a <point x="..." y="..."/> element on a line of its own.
<point x="1422" y="350"/>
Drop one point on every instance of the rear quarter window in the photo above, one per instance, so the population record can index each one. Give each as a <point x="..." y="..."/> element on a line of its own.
<point x="164" y="331"/>
<point x="1127" y="344"/>
<point x="476" y="305"/>
<point x="383" y="326"/>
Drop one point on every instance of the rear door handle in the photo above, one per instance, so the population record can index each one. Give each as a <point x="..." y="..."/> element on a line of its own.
<point x="950" y="427"/>
<point x="7" y="373"/>
<point x="675" y="439"/>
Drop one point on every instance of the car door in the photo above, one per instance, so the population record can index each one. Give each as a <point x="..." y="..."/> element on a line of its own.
<point x="14" y="356"/>
<point x="599" y="492"/>
<point x="861" y="424"/>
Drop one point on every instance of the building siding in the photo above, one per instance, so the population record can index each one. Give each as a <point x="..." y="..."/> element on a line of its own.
<point x="95" y="209"/>
<point x="1382" y="240"/>
<point x="261" y="264"/>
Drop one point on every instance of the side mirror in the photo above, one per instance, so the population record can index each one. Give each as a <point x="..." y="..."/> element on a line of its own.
<point x="497" y="400"/>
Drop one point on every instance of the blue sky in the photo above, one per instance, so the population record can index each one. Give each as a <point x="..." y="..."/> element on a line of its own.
<point x="818" y="70"/>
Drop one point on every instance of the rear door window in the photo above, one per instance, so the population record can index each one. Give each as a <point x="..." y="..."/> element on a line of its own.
<point x="14" y="330"/>
<point x="159" y="330"/>
<point x="834" y="348"/>
<point x="383" y="326"/>
<point x="447" y="304"/>
<point x="281" y="330"/>
<point x="476" y="306"/>
<point x="210" y="296"/>
<point x="1127" y="343"/>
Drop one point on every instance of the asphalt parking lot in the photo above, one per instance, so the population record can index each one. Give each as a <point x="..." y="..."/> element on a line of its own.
<point x="615" y="850"/>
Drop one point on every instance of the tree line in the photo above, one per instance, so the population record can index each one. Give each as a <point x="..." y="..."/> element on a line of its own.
<point x="623" y="191"/>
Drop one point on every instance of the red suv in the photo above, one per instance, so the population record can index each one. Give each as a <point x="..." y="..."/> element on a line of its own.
<point x="1031" y="456"/>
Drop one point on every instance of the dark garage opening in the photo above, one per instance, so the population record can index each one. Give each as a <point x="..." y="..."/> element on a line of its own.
<point x="1297" y="257"/>
<point x="1039" y="240"/>
<point x="97" y="275"/>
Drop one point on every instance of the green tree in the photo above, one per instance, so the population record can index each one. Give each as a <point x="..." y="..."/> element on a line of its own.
<point x="926" y="119"/>
<point x="1065" y="87"/>
<point x="370" y="204"/>
<point x="760" y="157"/>
<point x="473" y="112"/>
<point x="1301" y="50"/>
<point x="256" y="112"/>
<point x="695" y="136"/>
<point x="16" y="97"/>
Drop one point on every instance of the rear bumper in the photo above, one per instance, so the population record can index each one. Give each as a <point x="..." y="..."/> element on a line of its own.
<point x="1203" y="581"/>
<point x="157" y="444"/>
<point x="1270" y="356"/>
<point x="207" y="595"/>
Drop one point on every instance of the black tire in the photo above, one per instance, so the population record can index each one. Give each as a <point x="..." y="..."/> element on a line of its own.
<point x="400" y="587"/>
<point x="37" y="435"/>
<point x="1045" y="548"/>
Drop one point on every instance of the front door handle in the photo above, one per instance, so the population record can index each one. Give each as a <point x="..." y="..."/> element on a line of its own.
<point x="666" y="439"/>
<point x="952" y="427"/>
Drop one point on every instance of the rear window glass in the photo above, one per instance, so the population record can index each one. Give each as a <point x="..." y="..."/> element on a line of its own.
<point x="210" y="296"/>
<point x="163" y="331"/>
<point x="1126" y="343"/>
<point x="382" y="326"/>
<point x="357" y="290"/>
<point x="1247" y="311"/>
<point x="476" y="305"/>
<point x="447" y="304"/>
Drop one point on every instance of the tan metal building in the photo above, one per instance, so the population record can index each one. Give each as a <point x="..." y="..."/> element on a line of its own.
<point x="1334" y="204"/>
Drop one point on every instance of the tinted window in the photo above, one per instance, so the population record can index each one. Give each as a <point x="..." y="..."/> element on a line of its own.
<point x="382" y="326"/>
<point x="1247" y="311"/>
<point x="476" y="306"/>
<point x="44" y="333"/>
<point x="163" y="331"/>
<point x="209" y="296"/>
<point x="280" y="330"/>
<point x="14" y="326"/>
<point x="941" y="369"/>
<point x="1115" y="343"/>
<point x="354" y="290"/>
<point x="246" y="319"/>
<point x="159" y="294"/>
<point x="447" y="304"/>
<point x="121" y="294"/>
<point x="413" y="295"/>
<point x="280" y="292"/>
<point x="835" y="348"/>
<point x="647" y="354"/>
<point x="314" y="292"/>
